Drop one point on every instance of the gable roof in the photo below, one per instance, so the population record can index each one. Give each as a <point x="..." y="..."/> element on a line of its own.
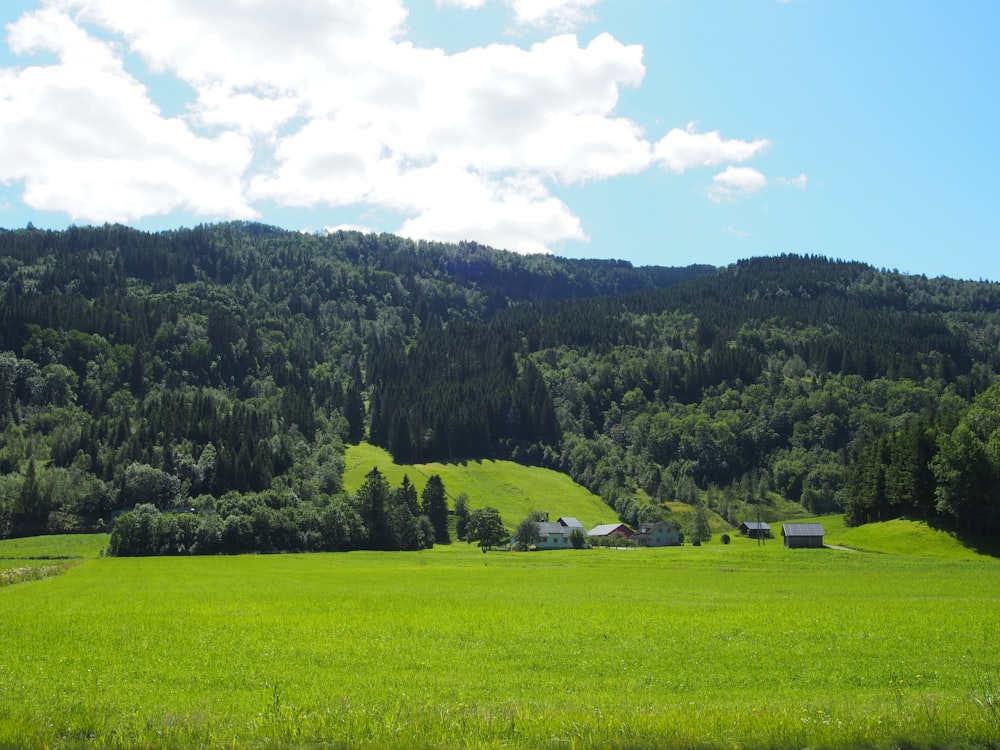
<point x="569" y="522"/>
<point x="651" y="526"/>
<point x="606" y="529"/>
<point x="802" y="529"/>
<point x="546" y="528"/>
<point x="757" y="525"/>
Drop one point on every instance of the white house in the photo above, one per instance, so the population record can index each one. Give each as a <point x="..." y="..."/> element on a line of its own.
<point x="555" y="535"/>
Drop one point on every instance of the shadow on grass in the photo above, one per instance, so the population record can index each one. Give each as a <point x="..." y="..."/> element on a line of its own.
<point x="983" y="546"/>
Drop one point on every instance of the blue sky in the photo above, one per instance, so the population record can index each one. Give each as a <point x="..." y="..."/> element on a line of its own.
<point x="660" y="131"/>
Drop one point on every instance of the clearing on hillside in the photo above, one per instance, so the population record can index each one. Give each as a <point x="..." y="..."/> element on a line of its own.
<point x="511" y="488"/>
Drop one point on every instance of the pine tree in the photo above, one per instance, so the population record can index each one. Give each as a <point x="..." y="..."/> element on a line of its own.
<point x="434" y="505"/>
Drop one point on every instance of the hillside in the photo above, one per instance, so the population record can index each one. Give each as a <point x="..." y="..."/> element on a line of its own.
<point x="224" y="368"/>
<point x="898" y="537"/>
<point x="513" y="489"/>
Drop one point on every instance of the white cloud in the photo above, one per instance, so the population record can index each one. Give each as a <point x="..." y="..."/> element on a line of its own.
<point x="454" y="142"/>
<point x="801" y="182"/>
<point x="553" y="15"/>
<point x="84" y="137"/>
<point x="468" y="4"/>
<point x="517" y="215"/>
<point x="348" y="228"/>
<point x="560" y="15"/>
<point x="681" y="150"/>
<point x="736" y="182"/>
<point x="324" y="103"/>
<point x="741" y="233"/>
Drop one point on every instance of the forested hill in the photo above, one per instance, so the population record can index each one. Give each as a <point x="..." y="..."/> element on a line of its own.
<point x="804" y="379"/>
<point x="201" y="366"/>
<point x="168" y="367"/>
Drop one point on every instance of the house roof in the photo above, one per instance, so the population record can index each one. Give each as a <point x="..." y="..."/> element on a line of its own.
<point x="758" y="525"/>
<point x="570" y="522"/>
<point x="605" y="529"/>
<point x="802" y="529"/>
<point x="651" y="526"/>
<point x="546" y="528"/>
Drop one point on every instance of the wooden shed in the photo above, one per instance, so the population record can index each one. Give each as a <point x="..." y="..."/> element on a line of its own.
<point x="755" y="530"/>
<point x="802" y="535"/>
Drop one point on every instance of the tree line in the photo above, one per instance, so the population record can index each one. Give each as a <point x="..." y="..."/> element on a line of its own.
<point x="376" y="517"/>
<point x="240" y="358"/>
<point x="942" y="467"/>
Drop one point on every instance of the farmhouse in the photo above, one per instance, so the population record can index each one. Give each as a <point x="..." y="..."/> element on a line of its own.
<point x="799" y="535"/>
<point x="555" y="535"/>
<point x="659" y="534"/>
<point x="611" y="529"/>
<point x="755" y="530"/>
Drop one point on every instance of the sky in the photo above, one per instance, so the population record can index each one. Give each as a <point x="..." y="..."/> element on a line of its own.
<point x="664" y="132"/>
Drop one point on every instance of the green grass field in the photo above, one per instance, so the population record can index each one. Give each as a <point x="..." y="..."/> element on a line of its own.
<point x="719" y="646"/>
<point x="511" y="488"/>
<point x="55" y="546"/>
<point x="45" y="556"/>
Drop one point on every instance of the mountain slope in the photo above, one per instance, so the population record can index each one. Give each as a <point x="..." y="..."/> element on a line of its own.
<point x="182" y="367"/>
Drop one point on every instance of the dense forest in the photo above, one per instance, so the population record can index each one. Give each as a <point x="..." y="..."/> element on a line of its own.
<point x="222" y="370"/>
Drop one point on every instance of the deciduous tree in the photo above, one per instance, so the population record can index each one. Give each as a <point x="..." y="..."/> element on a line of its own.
<point x="486" y="527"/>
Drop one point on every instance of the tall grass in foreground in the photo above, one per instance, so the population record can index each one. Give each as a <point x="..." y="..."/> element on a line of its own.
<point x="719" y="646"/>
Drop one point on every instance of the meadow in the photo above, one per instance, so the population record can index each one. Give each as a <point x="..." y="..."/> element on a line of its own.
<point x="719" y="646"/>
<point x="513" y="489"/>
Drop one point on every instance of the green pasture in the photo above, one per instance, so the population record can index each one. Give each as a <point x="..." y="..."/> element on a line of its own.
<point x="896" y="537"/>
<point x="718" y="646"/>
<point x="57" y="546"/>
<point x="44" y="556"/>
<point x="511" y="488"/>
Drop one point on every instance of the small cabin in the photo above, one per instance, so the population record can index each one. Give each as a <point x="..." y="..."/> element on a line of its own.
<point x="802" y="535"/>
<point x="755" y="530"/>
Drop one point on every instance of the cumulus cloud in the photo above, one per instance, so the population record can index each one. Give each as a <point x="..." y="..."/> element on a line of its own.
<point x="681" y="150"/>
<point x="325" y="103"/>
<point x="84" y="137"/>
<point x="560" y="15"/>
<point x="736" y="182"/>
<point x="555" y="15"/>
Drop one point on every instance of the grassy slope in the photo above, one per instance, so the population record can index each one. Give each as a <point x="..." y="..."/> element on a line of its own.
<point x="512" y="489"/>
<point x="897" y="537"/>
